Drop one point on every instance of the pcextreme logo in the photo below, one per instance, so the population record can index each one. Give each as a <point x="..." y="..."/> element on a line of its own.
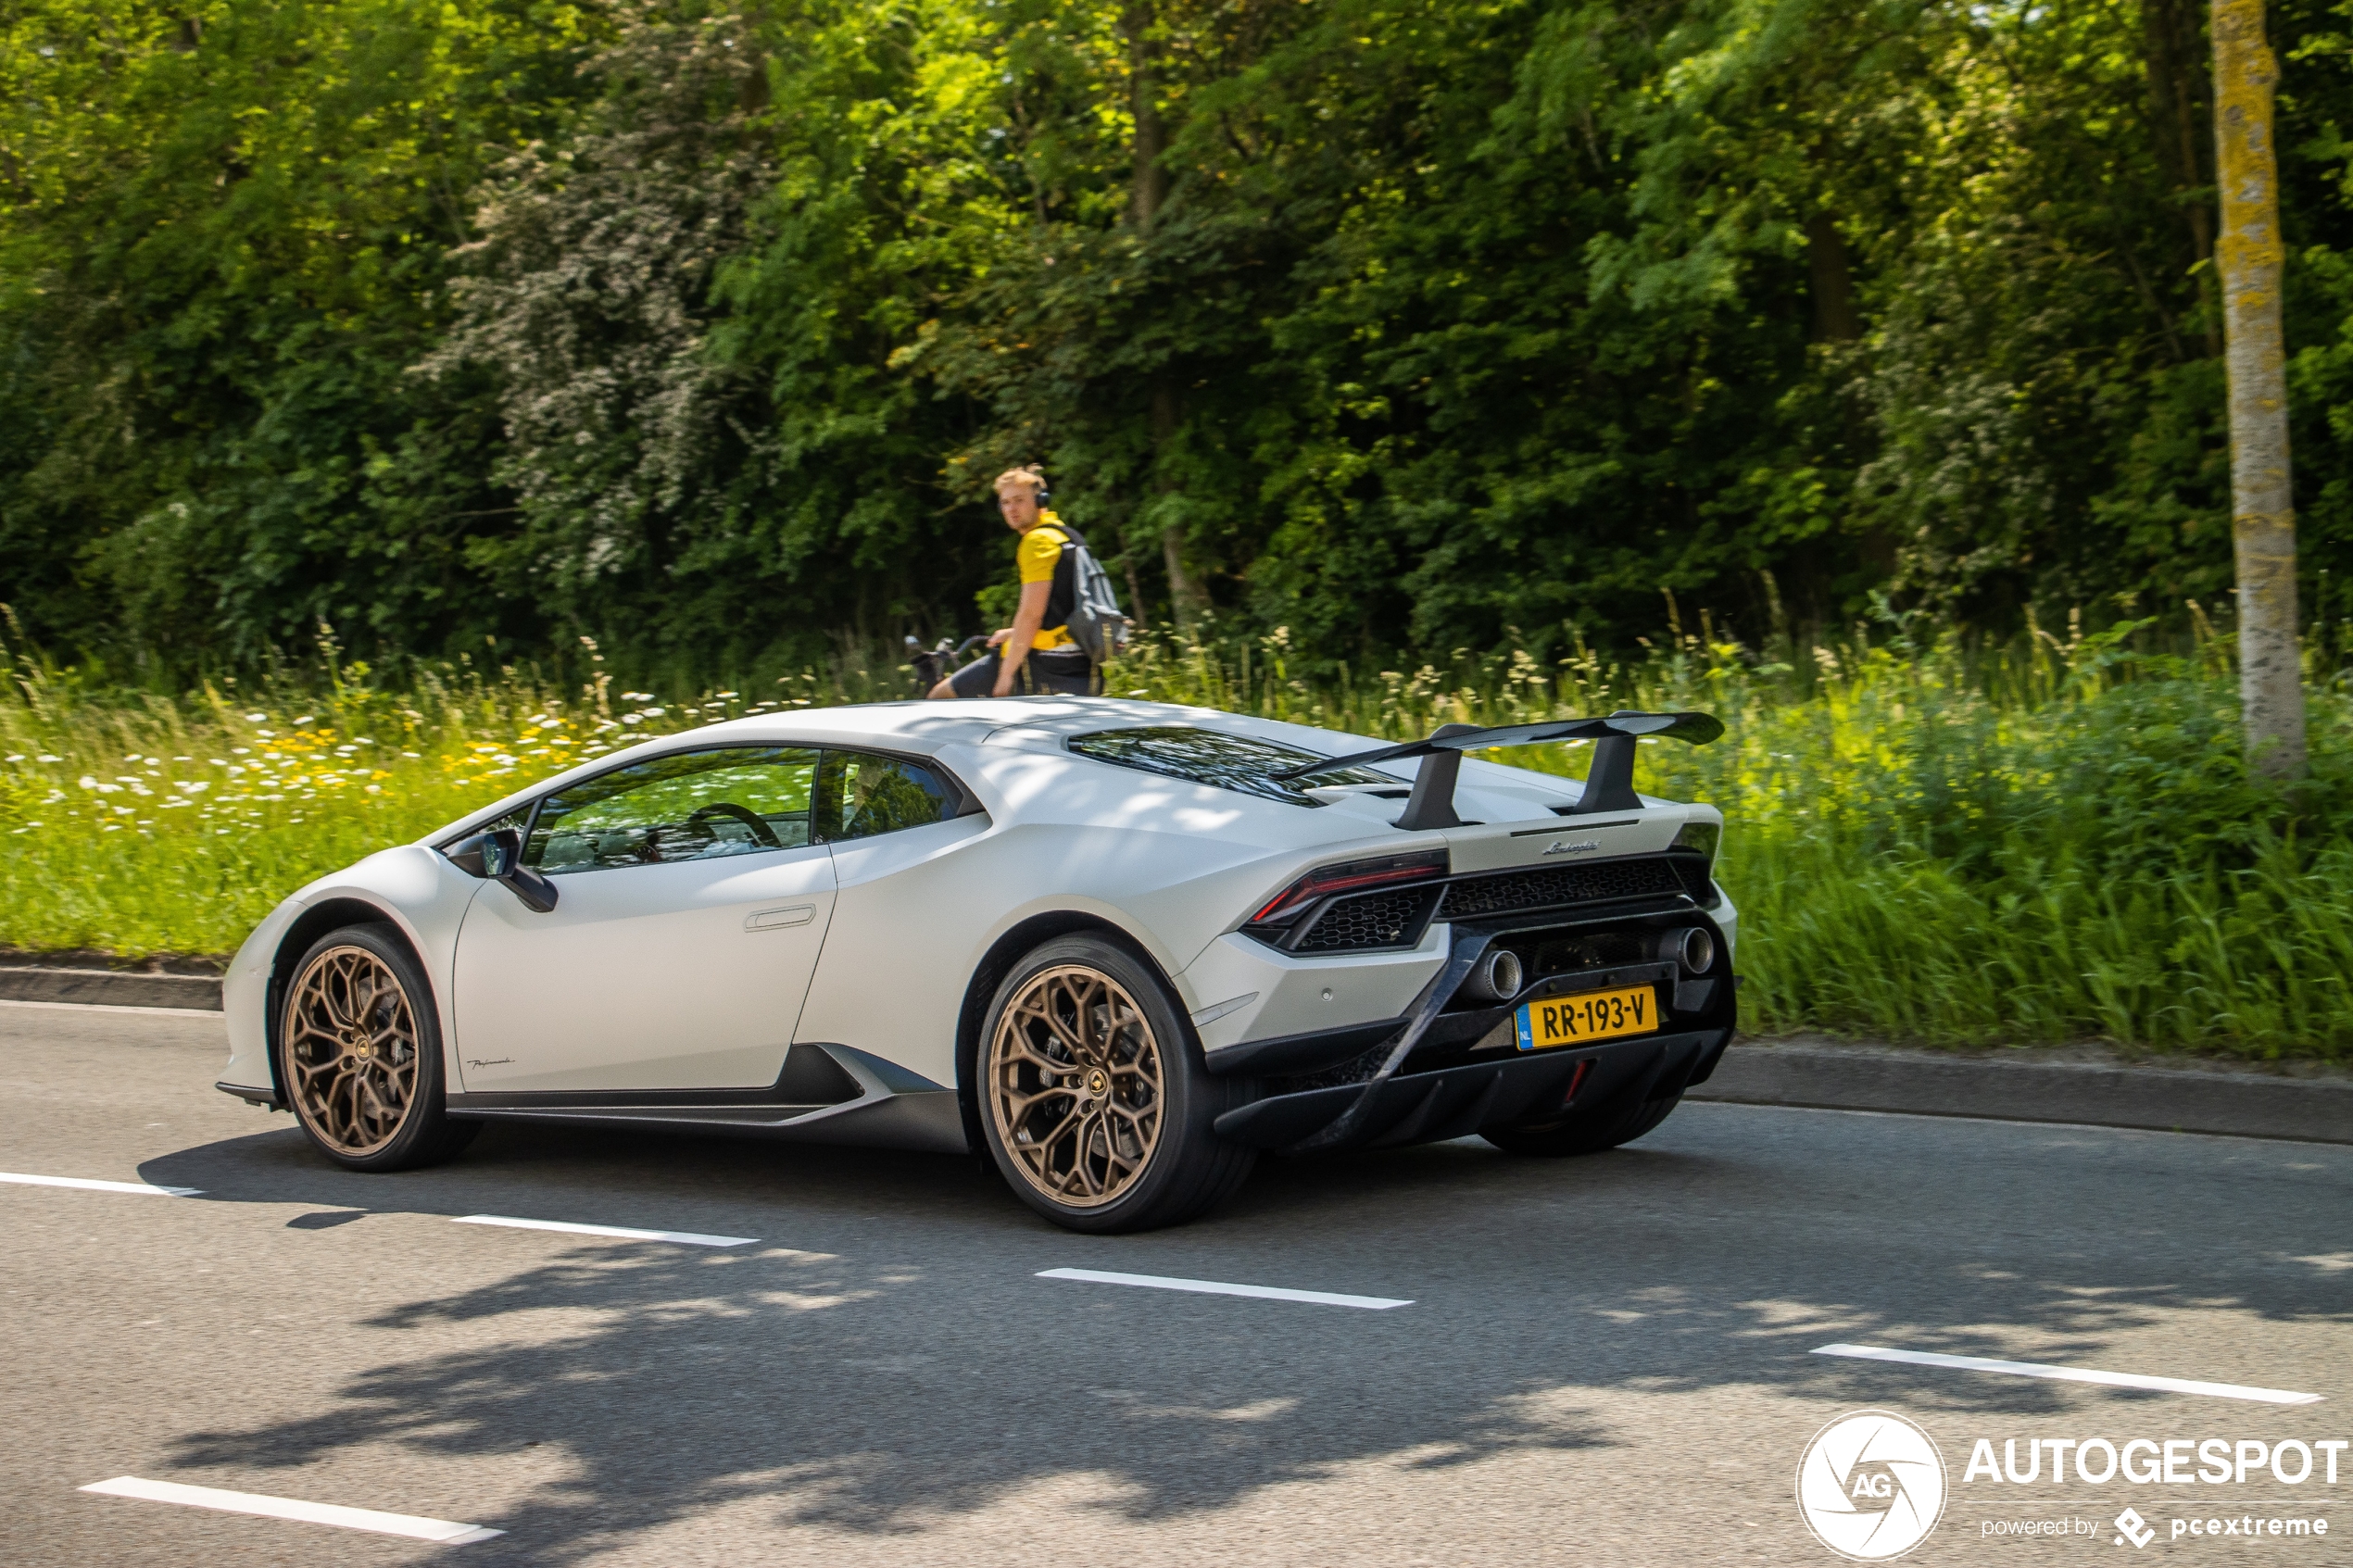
<point x="1871" y="1486"/>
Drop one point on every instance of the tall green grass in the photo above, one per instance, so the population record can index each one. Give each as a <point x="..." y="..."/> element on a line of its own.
<point x="2052" y="841"/>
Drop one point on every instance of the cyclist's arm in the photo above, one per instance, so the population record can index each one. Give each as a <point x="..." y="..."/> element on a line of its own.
<point x="1028" y="619"/>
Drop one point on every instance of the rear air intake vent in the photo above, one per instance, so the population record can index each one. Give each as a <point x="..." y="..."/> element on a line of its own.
<point x="1549" y="885"/>
<point x="1369" y="920"/>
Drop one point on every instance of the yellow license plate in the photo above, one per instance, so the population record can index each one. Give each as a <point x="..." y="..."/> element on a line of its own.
<point x="1590" y="1015"/>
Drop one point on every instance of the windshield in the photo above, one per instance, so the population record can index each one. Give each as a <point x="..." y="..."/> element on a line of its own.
<point x="1207" y="756"/>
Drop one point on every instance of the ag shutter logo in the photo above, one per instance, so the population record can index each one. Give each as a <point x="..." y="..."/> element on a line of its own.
<point x="1871" y="1486"/>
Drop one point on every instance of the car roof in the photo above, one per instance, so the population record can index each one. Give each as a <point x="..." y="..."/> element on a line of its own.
<point x="925" y="727"/>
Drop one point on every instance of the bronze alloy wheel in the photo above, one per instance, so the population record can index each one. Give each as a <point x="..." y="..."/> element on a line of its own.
<point x="1075" y="1085"/>
<point x="351" y="1049"/>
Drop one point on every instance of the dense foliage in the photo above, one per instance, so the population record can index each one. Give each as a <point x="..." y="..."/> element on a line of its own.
<point x="699" y="326"/>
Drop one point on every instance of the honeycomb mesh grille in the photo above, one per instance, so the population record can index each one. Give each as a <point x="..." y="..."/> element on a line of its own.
<point x="1559" y="885"/>
<point x="1369" y="920"/>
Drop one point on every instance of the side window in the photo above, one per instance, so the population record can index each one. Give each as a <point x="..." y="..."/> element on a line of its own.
<point x="862" y="796"/>
<point x="696" y="806"/>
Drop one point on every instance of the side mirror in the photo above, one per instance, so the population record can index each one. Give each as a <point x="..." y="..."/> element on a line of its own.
<point x="501" y="853"/>
<point x="497" y="855"/>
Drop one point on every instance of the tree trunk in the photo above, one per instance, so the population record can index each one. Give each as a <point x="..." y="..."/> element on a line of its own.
<point x="1148" y="185"/>
<point x="1185" y="596"/>
<point x="2262" y="510"/>
<point x="1833" y="282"/>
<point x="2172" y="55"/>
<point x="1147" y="190"/>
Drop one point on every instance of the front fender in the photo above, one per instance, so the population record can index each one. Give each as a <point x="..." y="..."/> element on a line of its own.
<point x="414" y="889"/>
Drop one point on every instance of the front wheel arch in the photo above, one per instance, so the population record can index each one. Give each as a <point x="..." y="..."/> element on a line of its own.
<point x="422" y="1132"/>
<point x="331" y="914"/>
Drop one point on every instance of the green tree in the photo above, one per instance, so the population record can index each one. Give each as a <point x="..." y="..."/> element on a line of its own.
<point x="225" y="236"/>
<point x="701" y="327"/>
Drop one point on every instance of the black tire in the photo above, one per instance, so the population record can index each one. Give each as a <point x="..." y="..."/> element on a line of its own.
<point x="1589" y="1132"/>
<point x="360" y="1054"/>
<point x="1081" y="1155"/>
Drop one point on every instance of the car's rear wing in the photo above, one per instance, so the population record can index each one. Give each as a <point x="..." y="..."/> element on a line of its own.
<point x="1609" y="784"/>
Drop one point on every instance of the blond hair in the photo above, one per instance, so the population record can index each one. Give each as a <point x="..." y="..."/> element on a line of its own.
<point x="1028" y="473"/>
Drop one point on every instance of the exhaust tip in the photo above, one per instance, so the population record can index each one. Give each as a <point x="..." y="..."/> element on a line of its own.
<point x="1693" y="947"/>
<point x="1497" y="977"/>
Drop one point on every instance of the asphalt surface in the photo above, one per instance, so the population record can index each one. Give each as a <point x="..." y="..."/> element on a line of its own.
<point x="1606" y="1360"/>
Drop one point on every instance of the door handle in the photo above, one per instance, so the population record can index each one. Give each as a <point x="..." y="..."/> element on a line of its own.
<point x="777" y="920"/>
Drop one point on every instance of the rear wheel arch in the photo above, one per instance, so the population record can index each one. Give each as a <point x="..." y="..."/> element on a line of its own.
<point x="1097" y="1108"/>
<point x="1004" y="953"/>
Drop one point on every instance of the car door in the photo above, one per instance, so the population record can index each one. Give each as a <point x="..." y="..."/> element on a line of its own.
<point x="693" y="896"/>
<point x="893" y="822"/>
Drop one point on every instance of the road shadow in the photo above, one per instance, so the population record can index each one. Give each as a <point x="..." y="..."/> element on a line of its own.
<point x="887" y="1359"/>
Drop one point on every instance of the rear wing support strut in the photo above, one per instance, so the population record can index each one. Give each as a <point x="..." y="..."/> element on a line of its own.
<point x="1609" y="782"/>
<point x="1432" y="804"/>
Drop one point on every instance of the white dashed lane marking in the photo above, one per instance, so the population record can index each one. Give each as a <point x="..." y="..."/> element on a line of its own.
<point x="685" y="1238"/>
<point x="442" y="1530"/>
<point x="2072" y="1375"/>
<point x="1214" y="1288"/>
<point x="84" y="1184"/>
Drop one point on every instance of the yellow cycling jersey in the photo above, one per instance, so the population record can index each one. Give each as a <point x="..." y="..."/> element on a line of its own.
<point x="1040" y="552"/>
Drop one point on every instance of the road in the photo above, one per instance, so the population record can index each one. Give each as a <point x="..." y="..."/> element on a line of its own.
<point x="1606" y="1360"/>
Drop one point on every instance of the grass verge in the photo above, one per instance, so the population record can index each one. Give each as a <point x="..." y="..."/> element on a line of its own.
<point x="2058" y="842"/>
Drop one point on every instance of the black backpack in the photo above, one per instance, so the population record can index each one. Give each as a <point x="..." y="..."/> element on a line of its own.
<point x="1089" y="608"/>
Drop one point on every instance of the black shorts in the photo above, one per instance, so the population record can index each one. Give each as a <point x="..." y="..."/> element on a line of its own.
<point x="1059" y="673"/>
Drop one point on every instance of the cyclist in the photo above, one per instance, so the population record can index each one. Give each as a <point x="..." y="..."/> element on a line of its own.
<point x="1037" y="653"/>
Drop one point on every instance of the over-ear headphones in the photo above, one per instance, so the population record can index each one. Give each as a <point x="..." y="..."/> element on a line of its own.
<point x="1044" y="495"/>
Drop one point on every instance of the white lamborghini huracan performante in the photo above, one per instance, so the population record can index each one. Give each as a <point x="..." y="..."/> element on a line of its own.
<point x="1123" y="946"/>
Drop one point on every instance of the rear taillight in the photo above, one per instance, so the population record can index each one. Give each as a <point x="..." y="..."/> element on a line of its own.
<point x="1351" y="876"/>
<point x="1700" y="837"/>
